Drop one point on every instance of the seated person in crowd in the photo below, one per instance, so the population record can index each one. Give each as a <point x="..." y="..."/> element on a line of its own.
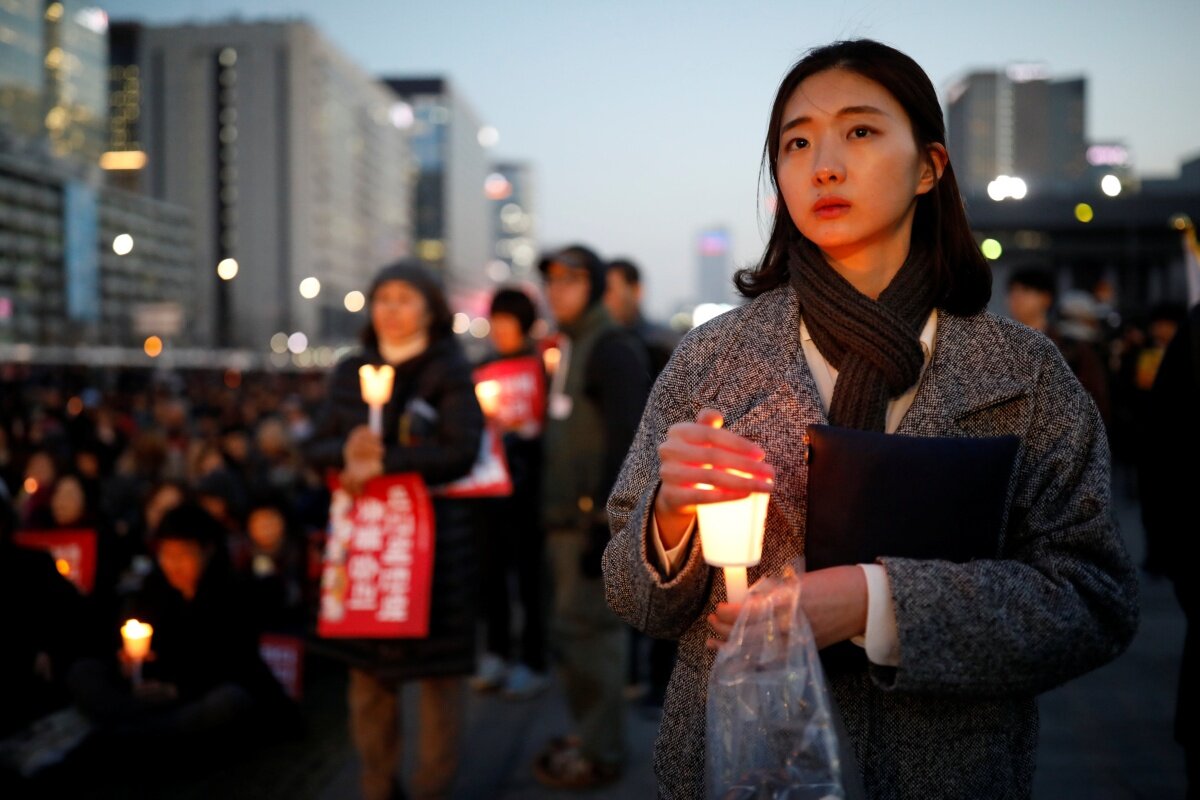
<point x="205" y="678"/>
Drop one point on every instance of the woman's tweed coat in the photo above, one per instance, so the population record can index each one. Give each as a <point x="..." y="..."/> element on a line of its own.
<point x="957" y="718"/>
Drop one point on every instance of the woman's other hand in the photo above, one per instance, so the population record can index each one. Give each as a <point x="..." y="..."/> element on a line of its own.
<point x="834" y="600"/>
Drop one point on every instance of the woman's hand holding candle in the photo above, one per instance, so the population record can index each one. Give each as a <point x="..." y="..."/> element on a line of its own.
<point x="363" y="457"/>
<point x="701" y="462"/>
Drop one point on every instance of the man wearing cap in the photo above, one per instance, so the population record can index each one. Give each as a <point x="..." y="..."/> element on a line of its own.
<point x="597" y="393"/>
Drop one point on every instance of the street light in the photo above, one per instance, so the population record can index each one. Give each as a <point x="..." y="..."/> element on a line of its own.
<point x="1005" y="187"/>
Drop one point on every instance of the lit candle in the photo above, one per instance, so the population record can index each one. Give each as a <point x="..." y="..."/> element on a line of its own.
<point x="376" y="386"/>
<point x="731" y="537"/>
<point x="488" y="393"/>
<point x="551" y="357"/>
<point x="136" y="637"/>
<point x="731" y="533"/>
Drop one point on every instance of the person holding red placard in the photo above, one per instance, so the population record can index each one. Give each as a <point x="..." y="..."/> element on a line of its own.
<point x="432" y="426"/>
<point x="511" y="384"/>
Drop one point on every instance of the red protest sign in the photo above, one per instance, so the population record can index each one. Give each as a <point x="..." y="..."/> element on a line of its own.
<point x="378" y="569"/>
<point x="512" y="393"/>
<point x="489" y="477"/>
<point x="74" y="553"/>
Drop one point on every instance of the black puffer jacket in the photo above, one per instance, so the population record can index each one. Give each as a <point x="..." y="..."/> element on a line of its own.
<point x="441" y="450"/>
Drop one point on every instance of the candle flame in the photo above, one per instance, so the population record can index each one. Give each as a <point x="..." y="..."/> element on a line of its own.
<point x="551" y="357"/>
<point x="136" y="637"/>
<point x="63" y="566"/>
<point x="376" y="383"/>
<point x="488" y="393"/>
<point x="135" y="629"/>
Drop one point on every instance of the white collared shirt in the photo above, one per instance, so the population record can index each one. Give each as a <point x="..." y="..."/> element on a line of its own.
<point x="881" y="640"/>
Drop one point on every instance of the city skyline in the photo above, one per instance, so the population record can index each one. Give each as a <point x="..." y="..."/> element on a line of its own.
<point x="645" y="124"/>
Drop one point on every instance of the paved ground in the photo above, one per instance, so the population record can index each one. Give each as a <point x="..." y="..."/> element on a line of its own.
<point x="1106" y="736"/>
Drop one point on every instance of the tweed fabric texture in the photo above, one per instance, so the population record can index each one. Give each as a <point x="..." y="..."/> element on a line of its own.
<point x="979" y="640"/>
<point x="874" y="344"/>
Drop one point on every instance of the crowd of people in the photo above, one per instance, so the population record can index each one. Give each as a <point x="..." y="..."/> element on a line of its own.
<point x="202" y="501"/>
<point x="199" y="502"/>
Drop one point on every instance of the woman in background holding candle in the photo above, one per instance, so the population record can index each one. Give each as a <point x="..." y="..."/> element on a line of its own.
<point x="431" y="425"/>
<point x="868" y="311"/>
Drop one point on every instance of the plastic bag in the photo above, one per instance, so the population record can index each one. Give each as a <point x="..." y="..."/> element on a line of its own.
<point x="771" y="733"/>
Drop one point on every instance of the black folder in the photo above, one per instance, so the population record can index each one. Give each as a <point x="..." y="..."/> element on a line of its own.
<point x="873" y="494"/>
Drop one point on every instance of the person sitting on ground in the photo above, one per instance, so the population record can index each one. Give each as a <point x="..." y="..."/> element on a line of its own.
<point x="205" y="679"/>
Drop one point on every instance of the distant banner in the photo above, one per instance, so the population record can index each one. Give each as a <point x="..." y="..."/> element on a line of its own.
<point x="512" y="393"/>
<point x="378" y="570"/>
<point x="73" y="551"/>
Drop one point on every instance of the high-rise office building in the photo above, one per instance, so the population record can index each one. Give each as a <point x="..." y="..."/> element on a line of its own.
<point x="21" y="71"/>
<point x="714" y="265"/>
<point x="76" y="79"/>
<point x="80" y="263"/>
<point x="510" y="191"/>
<point x="125" y="160"/>
<point x="53" y="67"/>
<point x="451" y="222"/>
<point x="1019" y="123"/>
<point x="294" y="163"/>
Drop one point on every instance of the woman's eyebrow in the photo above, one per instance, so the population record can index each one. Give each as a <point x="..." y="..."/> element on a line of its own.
<point x="845" y="112"/>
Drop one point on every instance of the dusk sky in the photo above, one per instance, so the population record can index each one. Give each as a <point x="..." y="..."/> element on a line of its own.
<point x="645" y="120"/>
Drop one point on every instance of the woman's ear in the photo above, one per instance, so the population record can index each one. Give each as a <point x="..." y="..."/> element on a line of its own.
<point x="932" y="167"/>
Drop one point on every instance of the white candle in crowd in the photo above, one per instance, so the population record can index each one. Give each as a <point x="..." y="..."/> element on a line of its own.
<point x="136" y="637"/>
<point x="376" y="386"/>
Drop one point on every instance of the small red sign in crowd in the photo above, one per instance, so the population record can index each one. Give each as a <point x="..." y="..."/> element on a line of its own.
<point x="73" y="551"/>
<point x="378" y="561"/>
<point x="512" y="392"/>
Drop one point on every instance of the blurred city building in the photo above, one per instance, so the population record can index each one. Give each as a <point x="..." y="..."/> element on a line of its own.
<point x="81" y="263"/>
<point x="53" y="68"/>
<point x="294" y="163"/>
<point x="714" y="266"/>
<point x="451" y="222"/>
<point x="1019" y="123"/>
<point x="1039" y="193"/>
<point x="1129" y="241"/>
<point x="510" y="191"/>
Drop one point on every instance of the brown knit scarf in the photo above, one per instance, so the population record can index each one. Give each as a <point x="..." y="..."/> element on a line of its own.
<point x="874" y="345"/>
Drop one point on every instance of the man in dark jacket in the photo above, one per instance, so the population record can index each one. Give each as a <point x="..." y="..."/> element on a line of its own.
<point x="597" y="394"/>
<point x="1168" y="477"/>
<point x="623" y="299"/>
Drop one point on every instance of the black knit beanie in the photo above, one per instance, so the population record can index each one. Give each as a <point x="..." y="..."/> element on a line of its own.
<point x="425" y="281"/>
<point x="580" y="257"/>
